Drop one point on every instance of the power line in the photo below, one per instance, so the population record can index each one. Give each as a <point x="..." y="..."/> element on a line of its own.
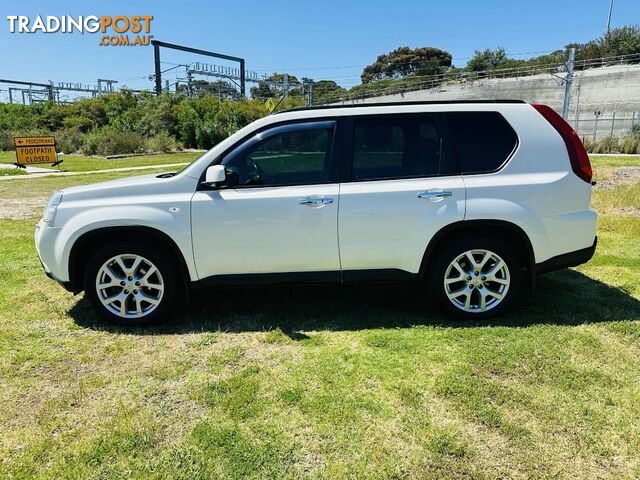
<point x="335" y="67"/>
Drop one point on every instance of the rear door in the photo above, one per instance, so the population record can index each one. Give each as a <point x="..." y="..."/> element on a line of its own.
<point x="399" y="188"/>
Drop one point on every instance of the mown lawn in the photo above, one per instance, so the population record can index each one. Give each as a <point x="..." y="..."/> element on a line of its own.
<point x="360" y="382"/>
<point x="79" y="163"/>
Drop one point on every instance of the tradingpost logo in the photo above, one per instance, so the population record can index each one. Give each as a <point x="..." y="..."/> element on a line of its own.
<point x="116" y="31"/>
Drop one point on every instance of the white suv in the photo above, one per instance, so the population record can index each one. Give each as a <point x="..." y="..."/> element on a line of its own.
<point x="472" y="198"/>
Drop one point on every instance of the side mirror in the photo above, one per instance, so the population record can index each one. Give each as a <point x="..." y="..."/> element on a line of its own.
<point x="215" y="174"/>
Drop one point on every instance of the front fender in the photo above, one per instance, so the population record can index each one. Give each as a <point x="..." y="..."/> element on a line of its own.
<point x="174" y="222"/>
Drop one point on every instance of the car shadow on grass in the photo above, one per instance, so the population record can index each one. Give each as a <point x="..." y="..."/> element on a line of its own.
<point x="561" y="298"/>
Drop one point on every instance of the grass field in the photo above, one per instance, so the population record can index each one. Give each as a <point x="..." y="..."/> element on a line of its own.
<point x="79" y="163"/>
<point x="359" y="382"/>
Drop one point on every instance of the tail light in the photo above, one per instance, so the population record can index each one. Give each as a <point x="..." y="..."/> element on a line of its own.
<point x="577" y="154"/>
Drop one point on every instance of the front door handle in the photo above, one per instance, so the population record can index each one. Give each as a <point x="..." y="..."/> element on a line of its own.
<point x="434" y="196"/>
<point x="315" y="201"/>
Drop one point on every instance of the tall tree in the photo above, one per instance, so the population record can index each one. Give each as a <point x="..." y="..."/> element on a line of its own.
<point x="274" y="86"/>
<point x="219" y="88"/>
<point x="405" y="61"/>
<point x="487" y="59"/>
<point x="617" y="41"/>
<point x="326" y="91"/>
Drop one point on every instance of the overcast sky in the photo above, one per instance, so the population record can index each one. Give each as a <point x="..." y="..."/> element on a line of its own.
<point x="320" y="39"/>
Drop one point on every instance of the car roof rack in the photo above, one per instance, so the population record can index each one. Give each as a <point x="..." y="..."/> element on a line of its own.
<point x="396" y="104"/>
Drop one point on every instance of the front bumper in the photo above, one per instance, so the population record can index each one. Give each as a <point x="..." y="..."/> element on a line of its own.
<point x="571" y="259"/>
<point x="45" y="240"/>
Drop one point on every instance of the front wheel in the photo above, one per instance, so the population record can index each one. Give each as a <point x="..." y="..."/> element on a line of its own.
<point x="129" y="285"/>
<point x="476" y="278"/>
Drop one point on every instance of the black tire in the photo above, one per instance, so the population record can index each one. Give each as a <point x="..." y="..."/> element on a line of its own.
<point x="157" y="256"/>
<point x="458" y="247"/>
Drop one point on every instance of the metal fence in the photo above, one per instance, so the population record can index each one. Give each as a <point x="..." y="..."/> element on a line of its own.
<point x="599" y="124"/>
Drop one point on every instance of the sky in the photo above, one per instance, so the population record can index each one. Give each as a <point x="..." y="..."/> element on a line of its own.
<point x="328" y="39"/>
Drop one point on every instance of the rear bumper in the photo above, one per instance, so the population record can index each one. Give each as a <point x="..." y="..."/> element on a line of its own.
<point x="571" y="259"/>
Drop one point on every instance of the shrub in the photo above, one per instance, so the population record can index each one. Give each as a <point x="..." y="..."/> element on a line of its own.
<point x="6" y="140"/>
<point x="589" y="145"/>
<point x="163" y="142"/>
<point x="608" y="145"/>
<point x="69" y="140"/>
<point x="111" y="142"/>
<point x="631" y="145"/>
<point x="207" y="135"/>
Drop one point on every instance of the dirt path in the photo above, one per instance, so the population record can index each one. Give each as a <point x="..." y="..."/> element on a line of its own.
<point x="20" y="209"/>
<point x="620" y="176"/>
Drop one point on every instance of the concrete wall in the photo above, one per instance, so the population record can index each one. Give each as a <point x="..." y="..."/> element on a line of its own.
<point x="614" y="91"/>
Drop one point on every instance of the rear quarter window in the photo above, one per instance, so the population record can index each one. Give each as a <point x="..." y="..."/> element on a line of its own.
<point x="482" y="141"/>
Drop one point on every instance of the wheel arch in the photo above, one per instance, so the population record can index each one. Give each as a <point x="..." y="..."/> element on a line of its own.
<point x="507" y="230"/>
<point x="85" y="245"/>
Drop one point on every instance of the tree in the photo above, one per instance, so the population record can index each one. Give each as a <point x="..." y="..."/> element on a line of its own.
<point x="617" y="41"/>
<point x="263" y="91"/>
<point x="405" y="61"/>
<point x="219" y="88"/>
<point x="620" y="41"/>
<point x="326" y="91"/>
<point x="487" y="59"/>
<point x="274" y="86"/>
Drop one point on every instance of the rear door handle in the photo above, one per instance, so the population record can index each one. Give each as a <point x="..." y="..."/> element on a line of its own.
<point x="434" y="196"/>
<point x="315" y="201"/>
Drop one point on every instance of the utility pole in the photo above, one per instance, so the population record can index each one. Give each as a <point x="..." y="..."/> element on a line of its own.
<point x="189" y="83"/>
<point x="286" y="86"/>
<point x="156" y="63"/>
<point x="609" y="17"/>
<point x="577" y="111"/>
<point x="568" y="83"/>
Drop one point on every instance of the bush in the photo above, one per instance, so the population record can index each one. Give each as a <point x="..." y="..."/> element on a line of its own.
<point x="589" y="145"/>
<point x="111" y="142"/>
<point x="631" y="145"/>
<point x="163" y="142"/>
<point x="69" y="140"/>
<point x="6" y="140"/>
<point x="608" y="145"/>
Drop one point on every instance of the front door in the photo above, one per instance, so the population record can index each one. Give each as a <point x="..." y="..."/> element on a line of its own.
<point x="277" y="212"/>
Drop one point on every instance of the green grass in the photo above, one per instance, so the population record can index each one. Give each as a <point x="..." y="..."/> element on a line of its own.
<point x="324" y="382"/>
<point x="615" y="161"/>
<point x="78" y="163"/>
<point x="10" y="172"/>
<point x="28" y="188"/>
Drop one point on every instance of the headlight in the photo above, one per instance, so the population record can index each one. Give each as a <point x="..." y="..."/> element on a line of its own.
<point x="49" y="214"/>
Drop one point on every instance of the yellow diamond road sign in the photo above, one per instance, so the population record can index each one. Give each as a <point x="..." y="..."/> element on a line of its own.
<point x="34" y="150"/>
<point x="270" y="104"/>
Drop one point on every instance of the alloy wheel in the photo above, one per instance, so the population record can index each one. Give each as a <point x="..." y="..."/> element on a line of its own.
<point x="129" y="286"/>
<point x="477" y="280"/>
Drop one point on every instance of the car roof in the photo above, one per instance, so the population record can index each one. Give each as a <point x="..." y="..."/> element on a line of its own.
<point x="396" y="104"/>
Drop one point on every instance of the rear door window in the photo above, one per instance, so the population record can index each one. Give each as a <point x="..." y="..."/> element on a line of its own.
<point x="482" y="141"/>
<point x="397" y="146"/>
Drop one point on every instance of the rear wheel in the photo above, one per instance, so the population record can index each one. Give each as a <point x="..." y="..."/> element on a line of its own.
<point x="129" y="285"/>
<point x="476" y="278"/>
